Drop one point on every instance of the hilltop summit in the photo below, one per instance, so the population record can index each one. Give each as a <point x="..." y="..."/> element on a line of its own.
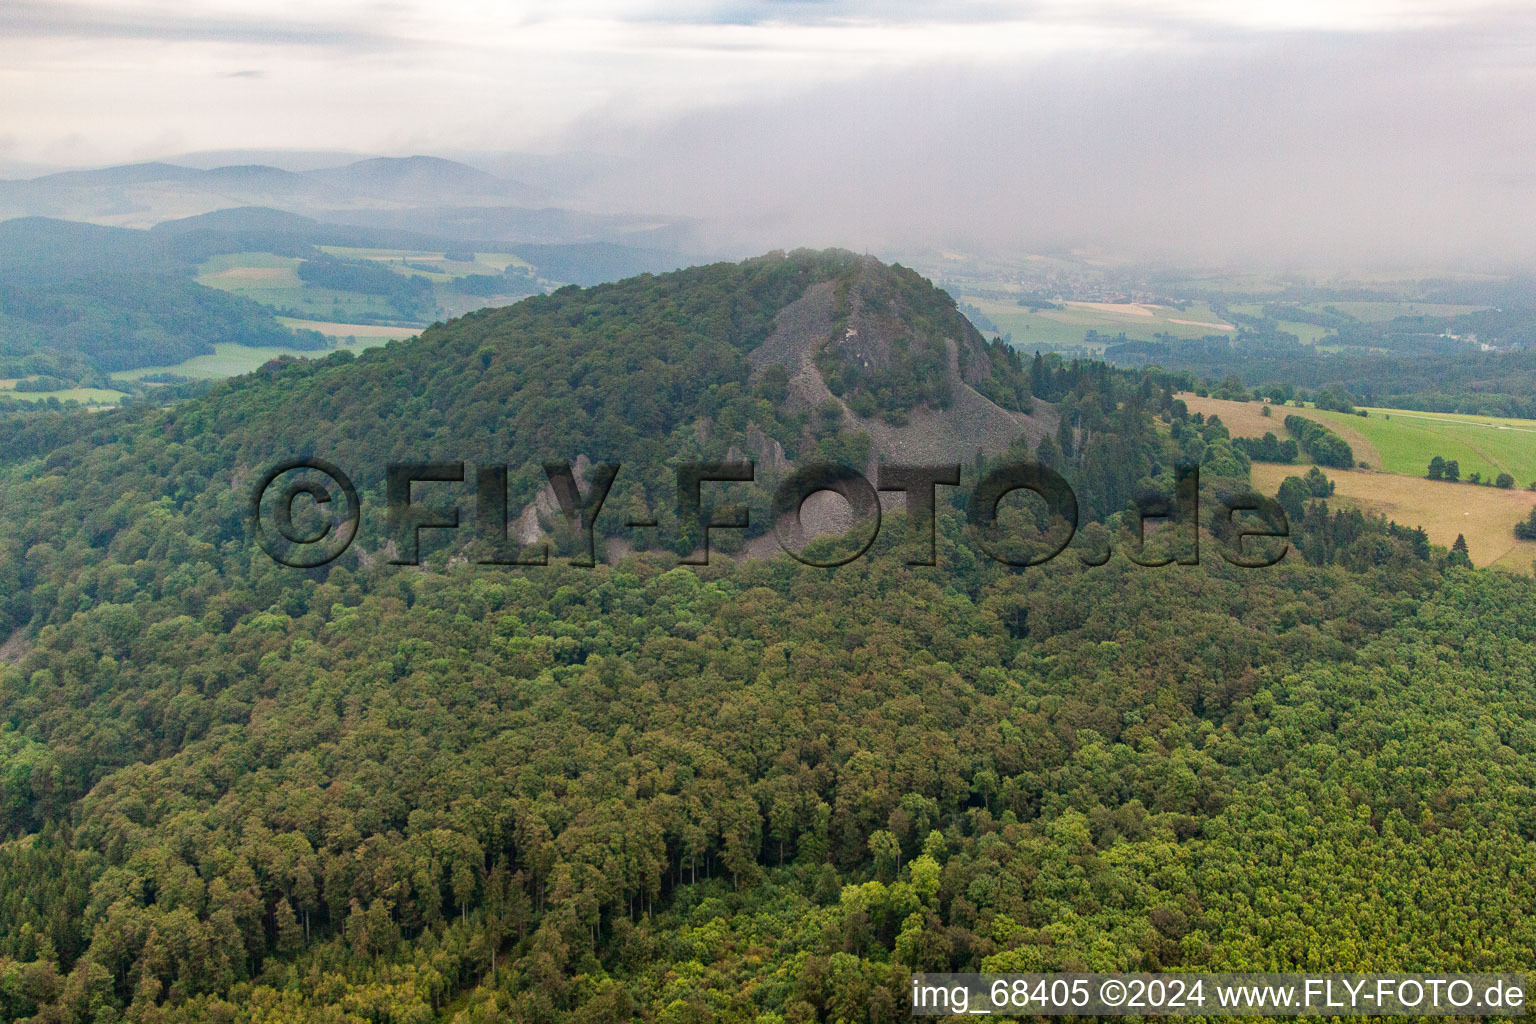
<point x="785" y="359"/>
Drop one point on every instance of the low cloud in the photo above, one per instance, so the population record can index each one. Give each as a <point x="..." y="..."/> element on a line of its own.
<point x="29" y="19"/>
<point x="1305" y="148"/>
<point x="1311" y="133"/>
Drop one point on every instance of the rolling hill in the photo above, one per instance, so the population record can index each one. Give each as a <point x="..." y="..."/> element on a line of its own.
<point x="83" y="300"/>
<point x="421" y="194"/>
<point x="139" y="195"/>
<point x="411" y="179"/>
<point x="749" y="791"/>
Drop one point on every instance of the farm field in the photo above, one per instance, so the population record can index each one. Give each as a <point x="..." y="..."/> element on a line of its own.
<point x="1065" y="328"/>
<point x="446" y="269"/>
<point x="252" y="274"/>
<point x="1405" y="441"/>
<point x="1458" y="417"/>
<point x="274" y="281"/>
<point x="1484" y="515"/>
<point x="1308" y="334"/>
<point x="227" y="360"/>
<point x="85" y="396"/>
<point x="1237" y="283"/>
<point x="1401" y="440"/>
<point x="1247" y="419"/>
<point x="253" y="266"/>
<point x="367" y="335"/>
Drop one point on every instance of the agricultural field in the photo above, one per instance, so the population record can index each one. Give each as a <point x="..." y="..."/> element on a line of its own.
<point x="274" y="281"/>
<point x="1066" y="327"/>
<point x="227" y="360"/>
<point x="1484" y="515"/>
<point x="1398" y="451"/>
<point x="255" y="275"/>
<point x="1401" y="440"/>
<point x="443" y="270"/>
<point x="96" y="397"/>
<point x="1307" y="334"/>
<point x="1405" y="441"/>
<point x="1247" y="419"/>
<point x="365" y="335"/>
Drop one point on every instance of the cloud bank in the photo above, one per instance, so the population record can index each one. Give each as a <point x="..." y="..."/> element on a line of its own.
<point x="1313" y="133"/>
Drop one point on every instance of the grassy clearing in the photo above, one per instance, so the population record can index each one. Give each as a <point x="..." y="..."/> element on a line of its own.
<point x="375" y="333"/>
<point x="443" y="269"/>
<point x="1405" y="442"/>
<point x="1247" y="419"/>
<point x="1307" y="334"/>
<point x="354" y="253"/>
<point x="97" y="397"/>
<point x="227" y="360"/>
<point x="274" y="281"/>
<point x="320" y="303"/>
<point x="1243" y="419"/>
<point x="247" y="260"/>
<point x="1458" y="417"/>
<point x="500" y="261"/>
<point x="1066" y="327"/>
<point x="85" y="396"/>
<point x="248" y="272"/>
<point x="1485" y="516"/>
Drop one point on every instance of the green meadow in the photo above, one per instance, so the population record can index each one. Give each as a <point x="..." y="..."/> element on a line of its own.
<point x="274" y="281"/>
<point x="227" y="360"/>
<point x="444" y="268"/>
<point x="1067" y="327"/>
<point x="85" y="396"/>
<point x="1405" y="441"/>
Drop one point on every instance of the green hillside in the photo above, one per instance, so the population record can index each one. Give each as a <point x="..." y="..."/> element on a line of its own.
<point x="753" y="791"/>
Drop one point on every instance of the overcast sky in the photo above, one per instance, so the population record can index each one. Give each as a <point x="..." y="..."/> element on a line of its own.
<point x="1386" y="129"/>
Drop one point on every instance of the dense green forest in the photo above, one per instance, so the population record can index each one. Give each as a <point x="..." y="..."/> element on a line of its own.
<point x="84" y="327"/>
<point x="80" y="301"/>
<point x="1481" y="362"/>
<point x="408" y="295"/>
<point x="1460" y="381"/>
<point x="752" y="791"/>
<point x="1322" y="445"/>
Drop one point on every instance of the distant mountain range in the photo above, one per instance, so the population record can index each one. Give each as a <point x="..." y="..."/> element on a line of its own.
<point x="420" y="194"/>
<point x="131" y="190"/>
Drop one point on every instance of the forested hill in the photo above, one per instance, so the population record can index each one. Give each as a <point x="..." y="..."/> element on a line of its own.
<point x="715" y="362"/>
<point x="751" y="792"/>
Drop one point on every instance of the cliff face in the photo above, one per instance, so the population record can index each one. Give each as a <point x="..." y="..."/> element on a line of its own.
<point x="843" y="341"/>
<point x="864" y="353"/>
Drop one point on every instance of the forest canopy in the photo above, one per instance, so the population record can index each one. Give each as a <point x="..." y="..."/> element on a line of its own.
<point x="753" y="791"/>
